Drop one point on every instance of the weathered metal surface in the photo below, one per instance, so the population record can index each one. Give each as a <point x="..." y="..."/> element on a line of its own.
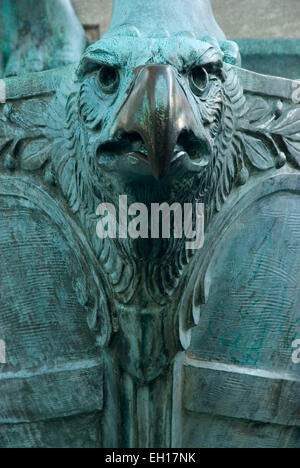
<point x="96" y="329"/>
<point x="240" y="367"/>
<point x="38" y="35"/>
<point x="241" y="353"/>
<point x="54" y="372"/>
<point x="277" y="57"/>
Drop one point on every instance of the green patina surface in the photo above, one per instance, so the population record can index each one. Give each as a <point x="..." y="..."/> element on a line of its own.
<point x="98" y="332"/>
<point x="276" y="57"/>
<point x="38" y="35"/>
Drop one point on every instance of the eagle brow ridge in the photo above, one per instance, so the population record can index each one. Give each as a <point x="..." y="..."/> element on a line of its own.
<point x="189" y="53"/>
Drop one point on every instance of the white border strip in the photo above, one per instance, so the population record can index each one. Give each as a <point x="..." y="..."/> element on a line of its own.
<point x="2" y="92"/>
<point x="2" y="352"/>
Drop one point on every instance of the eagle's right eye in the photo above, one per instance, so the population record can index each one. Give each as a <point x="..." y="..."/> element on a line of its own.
<point x="199" y="80"/>
<point x="108" y="79"/>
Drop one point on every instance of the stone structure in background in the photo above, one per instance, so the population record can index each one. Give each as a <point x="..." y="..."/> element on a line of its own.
<point x="98" y="335"/>
<point x="267" y="30"/>
<point x="240" y="19"/>
<point x="95" y="15"/>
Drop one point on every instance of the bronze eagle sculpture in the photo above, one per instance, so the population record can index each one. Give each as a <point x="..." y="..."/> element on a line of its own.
<point x="159" y="114"/>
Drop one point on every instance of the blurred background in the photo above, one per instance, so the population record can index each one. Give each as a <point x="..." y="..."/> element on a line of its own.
<point x="268" y="31"/>
<point x="239" y="19"/>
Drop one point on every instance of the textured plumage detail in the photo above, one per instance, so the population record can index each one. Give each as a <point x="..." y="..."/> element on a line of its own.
<point x="71" y="139"/>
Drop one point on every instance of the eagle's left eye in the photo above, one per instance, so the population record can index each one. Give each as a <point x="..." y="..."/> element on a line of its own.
<point x="199" y="80"/>
<point x="108" y="79"/>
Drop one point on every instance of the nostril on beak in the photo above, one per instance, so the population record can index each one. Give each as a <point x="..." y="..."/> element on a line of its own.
<point x="136" y="145"/>
<point x="136" y="142"/>
<point x="126" y="142"/>
<point x="182" y="141"/>
<point x="194" y="146"/>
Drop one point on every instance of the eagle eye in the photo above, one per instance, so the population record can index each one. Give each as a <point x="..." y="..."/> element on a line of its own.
<point x="108" y="79"/>
<point x="199" y="80"/>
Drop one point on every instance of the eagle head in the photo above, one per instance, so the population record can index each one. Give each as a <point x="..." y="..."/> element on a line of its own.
<point x="153" y="111"/>
<point x="152" y="117"/>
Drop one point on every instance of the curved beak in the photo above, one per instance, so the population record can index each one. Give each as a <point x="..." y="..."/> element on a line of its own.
<point x="158" y="110"/>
